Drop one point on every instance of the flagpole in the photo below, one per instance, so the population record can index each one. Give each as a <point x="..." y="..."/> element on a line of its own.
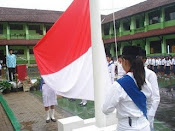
<point x="99" y="59"/>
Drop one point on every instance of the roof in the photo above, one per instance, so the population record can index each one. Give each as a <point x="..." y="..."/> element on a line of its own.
<point x="28" y="15"/>
<point x="138" y="8"/>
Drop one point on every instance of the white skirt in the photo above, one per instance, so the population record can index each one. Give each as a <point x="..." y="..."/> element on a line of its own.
<point x="49" y="96"/>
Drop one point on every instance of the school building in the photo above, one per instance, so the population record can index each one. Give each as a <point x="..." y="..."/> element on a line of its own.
<point x="21" y="29"/>
<point x="150" y="24"/>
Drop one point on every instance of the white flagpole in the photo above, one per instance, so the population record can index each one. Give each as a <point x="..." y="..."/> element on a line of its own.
<point x="100" y="70"/>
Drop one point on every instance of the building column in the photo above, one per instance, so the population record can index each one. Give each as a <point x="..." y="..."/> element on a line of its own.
<point x="163" y="45"/>
<point x="27" y="31"/>
<point x="162" y="18"/>
<point x="122" y="46"/>
<point x="111" y="31"/>
<point x="121" y="28"/>
<point x="28" y="55"/>
<point x="43" y="29"/>
<point x="8" y="31"/>
<point x="146" y="23"/>
<point x="147" y="47"/>
<point x="133" y="25"/>
<point x="112" y="50"/>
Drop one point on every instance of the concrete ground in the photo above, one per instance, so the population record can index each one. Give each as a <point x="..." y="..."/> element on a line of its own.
<point x="5" y="124"/>
<point x="30" y="112"/>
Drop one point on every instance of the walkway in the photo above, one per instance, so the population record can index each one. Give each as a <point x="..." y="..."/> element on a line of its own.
<point x="30" y="112"/>
<point x="5" y="124"/>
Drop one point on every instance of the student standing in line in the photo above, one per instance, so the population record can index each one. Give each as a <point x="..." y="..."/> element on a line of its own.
<point x="131" y="95"/>
<point x="111" y="67"/>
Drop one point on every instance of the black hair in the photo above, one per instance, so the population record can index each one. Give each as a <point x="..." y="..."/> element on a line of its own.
<point x="10" y="50"/>
<point x="132" y="54"/>
<point x="137" y="67"/>
<point x="119" y="56"/>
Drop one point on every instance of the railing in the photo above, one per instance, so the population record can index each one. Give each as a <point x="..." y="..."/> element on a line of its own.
<point x="17" y="36"/>
<point x="141" y="29"/>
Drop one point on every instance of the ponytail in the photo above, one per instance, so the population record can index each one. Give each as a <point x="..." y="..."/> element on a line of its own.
<point x="138" y="70"/>
<point x="137" y="67"/>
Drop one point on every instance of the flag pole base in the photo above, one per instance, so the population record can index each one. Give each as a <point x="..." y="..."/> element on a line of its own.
<point x="76" y="123"/>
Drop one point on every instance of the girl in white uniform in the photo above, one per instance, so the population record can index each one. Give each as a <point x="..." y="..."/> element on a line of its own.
<point x="130" y="117"/>
<point x="49" y="101"/>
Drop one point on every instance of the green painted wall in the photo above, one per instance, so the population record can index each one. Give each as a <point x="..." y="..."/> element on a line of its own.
<point x="145" y="43"/>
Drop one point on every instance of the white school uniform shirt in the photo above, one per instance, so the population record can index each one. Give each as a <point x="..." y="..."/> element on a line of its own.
<point x="152" y="79"/>
<point x="149" y="61"/>
<point x="168" y="62"/>
<point x="120" y="70"/>
<point x="117" y="98"/>
<point x="162" y="61"/>
<point x="111" y="68"/>
<point x="173" y="61"/>
<point x="159" y="62"/>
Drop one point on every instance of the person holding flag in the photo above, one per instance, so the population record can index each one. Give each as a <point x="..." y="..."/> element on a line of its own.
<point x="131" y="95"/>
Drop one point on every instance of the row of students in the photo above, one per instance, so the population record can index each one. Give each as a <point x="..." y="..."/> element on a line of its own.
<point x="161" y="64"/>
<point x="135" y="95"/>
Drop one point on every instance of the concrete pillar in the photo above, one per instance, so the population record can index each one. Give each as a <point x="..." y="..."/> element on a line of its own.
<point x="111" y="31"/>
<point x="162" y="18"/>
<point x="27" y="31"/>
<point x="112" y="50"/>
<point x="147" y="47"/>
<point x="121" y="28"/>
<point x="163" y="46"/>
<point x="28" y="55"/>
<point x="8" y="31"/>
<point x="146" y="22"/>
<point x="43" y="29"/>
<point x="133" y="25"/>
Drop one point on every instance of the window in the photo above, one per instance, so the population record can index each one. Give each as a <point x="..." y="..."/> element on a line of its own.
<point x="107" y="48"/>
<point x="31" y="51"/>
<point x="139" y="21"/>
<point x="117" y="25"/>
<point x="48" y="27"/>
<point x="106" y="28"/>
<point x="36" y="28"/>
<point x="1" y="28"/>
<point x="170" y="13"/>
<point x="16" y="27"/>
<point x="171" y="44"/>
<point x="18" y="51"/>
<point x="155" y="47"/>
<point x="154" y="17"/>
<point x="126" y="24"/>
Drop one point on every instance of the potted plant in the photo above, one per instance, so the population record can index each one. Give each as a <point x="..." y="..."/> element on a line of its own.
<point x="5" y="87"/>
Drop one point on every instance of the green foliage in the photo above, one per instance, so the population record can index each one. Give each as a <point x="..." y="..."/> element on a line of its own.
<point x="4" y="85"/>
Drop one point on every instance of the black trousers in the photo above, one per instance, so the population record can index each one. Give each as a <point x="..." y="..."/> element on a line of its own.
<point x="11" y="73"/>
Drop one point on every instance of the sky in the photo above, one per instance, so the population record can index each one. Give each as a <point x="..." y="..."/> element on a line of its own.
<point x="106" y="6"/>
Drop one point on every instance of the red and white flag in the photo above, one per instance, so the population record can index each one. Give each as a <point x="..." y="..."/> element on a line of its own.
<point x="64" y="54"/>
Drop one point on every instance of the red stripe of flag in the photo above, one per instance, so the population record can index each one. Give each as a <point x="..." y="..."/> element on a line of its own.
<point x="67" y="40"/>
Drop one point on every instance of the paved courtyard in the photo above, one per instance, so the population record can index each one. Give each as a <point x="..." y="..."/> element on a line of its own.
<point x="30" y="112"/>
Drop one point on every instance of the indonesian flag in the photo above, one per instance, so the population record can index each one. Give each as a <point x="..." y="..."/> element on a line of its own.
<point x="64" y="54"/>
